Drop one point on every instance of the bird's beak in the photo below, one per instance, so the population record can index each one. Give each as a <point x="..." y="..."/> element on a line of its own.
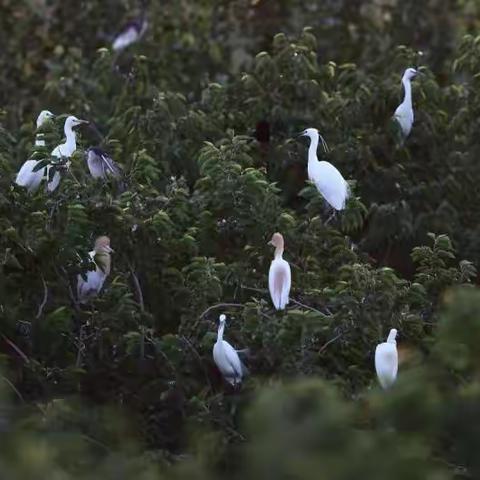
<point x="79" y="122"/>
<point x="269" y="243"/>
<point x="111" y="250"/>
<point x="298" y="135"/>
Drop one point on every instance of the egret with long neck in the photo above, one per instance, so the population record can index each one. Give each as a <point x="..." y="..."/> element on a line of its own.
<point x="328" y="180"/>
<point x="404" y="112"/>
<point x="26" y="176"/>
<point x="226" y="357"/>
<point x="279" y="275"/>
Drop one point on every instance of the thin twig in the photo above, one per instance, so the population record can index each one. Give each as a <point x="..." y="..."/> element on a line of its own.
<point x="81" y="346"/>
<point x="17" y="349"/>
<point x="199" y="358"/>
<point x="12" y="386"/>
<point x="138" y="288"/>
<point x="259" y="290"/>
<point x="296" y="302"/>
<point x="44" y="301"/>
<point x="220" y="305"/>
<point x="329" y="342"/>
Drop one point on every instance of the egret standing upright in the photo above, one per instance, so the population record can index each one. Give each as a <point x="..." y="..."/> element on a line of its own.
<point x="226" y="357"/>
<point x="26" y="177"/>
<point x="328" y="180"/>
<point x="404" y="112"/>
<point x="279" y="275"/>
<point x="386" y="360"/>
<point x="64" y="150"/>
<point x="95" y="279"/>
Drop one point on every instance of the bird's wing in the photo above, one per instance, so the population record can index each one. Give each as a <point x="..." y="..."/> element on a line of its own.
<point x="125" y="38"/>
<point x="91" y="286"/>
<point x="286" y="284"/>
<point x="386" y="363"/>
<point x="55" y="182"/>
<point x="233" y="360"/>
<point x="332" y="185"/>
<point x="110" y="166"/>
<point x="26" y="177"/>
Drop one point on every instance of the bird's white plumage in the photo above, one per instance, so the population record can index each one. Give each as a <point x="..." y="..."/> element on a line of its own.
<point x="126" y="38"/>
<point x="404" y="112"/>
<point x="226" y="358"/>
<point x="279" y="282"/>
<point x="91" y="286"/>
<point x="26" y="177"/>
<point x="386" y="361"/>
<point x="328" y="180"/>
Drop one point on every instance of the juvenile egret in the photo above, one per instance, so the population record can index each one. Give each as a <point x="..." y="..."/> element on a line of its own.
<point x="130" y="33"/>
<point x="328" y="180"/>
<point x="226" y="357"/>
<point x="26" y="177"/>
<point x="64" y="150"/>
<point x="404" y="112"/>
<point x="95" y="279"/>
<point x="279" y="275"/>
<point x="386" y="360"/>
<point x="101" y="165"/>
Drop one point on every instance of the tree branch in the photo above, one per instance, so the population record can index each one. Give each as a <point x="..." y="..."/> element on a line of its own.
<point x="44" y="301"/>
<point x="138" y="288"/>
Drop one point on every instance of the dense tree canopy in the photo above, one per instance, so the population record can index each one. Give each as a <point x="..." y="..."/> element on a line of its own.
<point x="201" y="115"/>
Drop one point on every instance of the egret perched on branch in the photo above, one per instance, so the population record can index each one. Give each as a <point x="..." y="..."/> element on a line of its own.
<point x="64" y="150"/>
<point x="26" y="177"/>
<point x="404" y="112"/>
<point x="130" y="33"/>
<point x="279" y="276"/>
<point x="101" y="165"/>
<point x="226" y="357"/>
<point x="328" y="180"/>
<point x="95" y="279"/>
<point x="386" y="360"/>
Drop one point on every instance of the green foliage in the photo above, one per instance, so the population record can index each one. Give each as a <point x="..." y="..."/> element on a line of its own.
<point x="201" y="115"/>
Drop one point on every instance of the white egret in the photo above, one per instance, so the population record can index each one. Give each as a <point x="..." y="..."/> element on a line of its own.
<point x="91" y="286"/>
<point x="386" y="360"/>
<point x="328" y="180"/>
<point x="26" y="177"/>
<point x="64" y="150"/>
<point x="404" y="112"/>
<point x="101" y="165"/>
<point x="130" y="33"/>
<point x="226" y="357"/>
<point x="279" y="275"/>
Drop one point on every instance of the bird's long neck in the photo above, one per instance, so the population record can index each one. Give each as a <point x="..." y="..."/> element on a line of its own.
<point x="391" y="337"/>
<point x="221" y="328"/>
<point x="71" y="142"/>
<point x="407" y="99"/>
<point x="312" y="149"/>
<point x="278" y="252"/>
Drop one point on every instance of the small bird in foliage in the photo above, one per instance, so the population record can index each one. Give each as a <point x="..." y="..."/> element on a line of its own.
<point x="386" y="360"/>
<point x="226" y="357"/>
<point x="131" y="32"/>
<point x="26" y="176"/>
<point x="101" y="165"/>
<point x="279" y="275"/>
<point x="328" y="180"/>
<point x="64" y="150"/>
<point x="91" y="285"/>
<point x="404" y="112"/>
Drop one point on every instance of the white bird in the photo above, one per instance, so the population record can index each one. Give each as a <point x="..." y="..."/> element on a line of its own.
<point x="130" y="33"/>
<point x="26" y="177"/>
<point x="226" y="357"/>
<point x="101" y="165"/>
<point x="91" y="286"/>
<point x="386" y="360"/>
<point x="404" y="112"/>
<point x="279" y="275"/>
<point x="328" y="180"/>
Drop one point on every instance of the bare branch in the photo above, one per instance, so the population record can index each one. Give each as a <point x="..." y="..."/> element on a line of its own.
<point x="334" y="339"/>
<point x="17" y="349"/>
<point x="296" y="302"/>
<point x="220" y="305"/>
<point x="45" y="298"/>
<point x="138" y="288"/>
